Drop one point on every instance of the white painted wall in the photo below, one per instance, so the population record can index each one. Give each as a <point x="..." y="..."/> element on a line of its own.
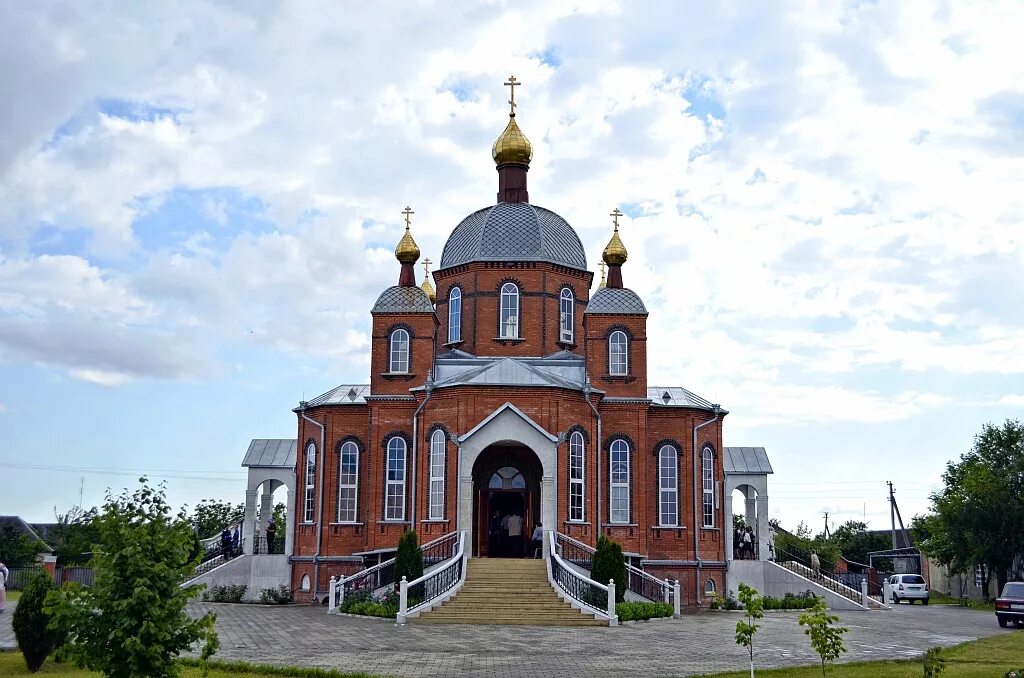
<point x="257" y="572"/>
<point x="774" y="580"/>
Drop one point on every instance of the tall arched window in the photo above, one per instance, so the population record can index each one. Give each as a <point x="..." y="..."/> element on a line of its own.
<point x="399" y="351"/>
<point x="618" y="352"/>
<point x="348" y="479"/>
<point x="307" y="509"/>
<point x="708" y="466"/>
<point x="455" y="315"/>
<point x="576" y="457"/>
<point x="668" y="486"/>
<point x="565" y="316"/>
<point x="618" y="479"/>
<point x="394" y="481"/>
<point x="509" y="319"/>
<point x="435" y="510"/>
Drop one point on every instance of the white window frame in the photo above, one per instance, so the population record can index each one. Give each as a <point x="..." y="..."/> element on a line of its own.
<point x="618" y="358"/>
<point x="708" y="474"/>
<point x="455" y="315"/>
<point x="508" y="317"/>
<point x="618" y="483"/>
<point x="668" y="486"/>
<point x="709" y="588"/>
<point x="577" y="468"/>
<point x="565" y="316"/>
<point x="348" y="488"/>
<point x="308" y="509"/>
<point x="398" y="355"/>
<point x="438" y="447"/>
<point x="394" y="479"/>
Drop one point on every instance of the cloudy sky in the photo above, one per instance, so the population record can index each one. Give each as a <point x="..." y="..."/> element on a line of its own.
<point x="199" y="202"/>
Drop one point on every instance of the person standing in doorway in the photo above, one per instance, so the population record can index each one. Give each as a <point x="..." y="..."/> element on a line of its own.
<point x="234" y="541"/>
<point x="737" y="544"/>
<point x="225" y="543"/>
<point x="515" y="534"/>
<point x="537" y="540"/>
<point x="494" y="535"/>
<point x="748" y="544"/>
<point x="271" y="534"/>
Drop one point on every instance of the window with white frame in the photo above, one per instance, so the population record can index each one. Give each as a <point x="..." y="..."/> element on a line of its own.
<point x="618" y="479"/>
<point x="394" y="490"/>
<point x="399" y="351"/>
<point x="455" y="315"/>
<point x="618" y="353"/>
<point x="565" y="316"/>
<point x="709" y="588"/>
<point x="348" y="479"/>
<point x="437" y="453"/>
<point x="307" y="512"/>
<point x="577" y="452"/>
<point x="509" y="327"/>
<point x="668" y="486"/>
<point x="708" y="466"/>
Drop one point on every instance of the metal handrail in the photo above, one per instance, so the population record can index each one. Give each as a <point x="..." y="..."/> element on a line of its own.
<point x="648" y="584"/>
<point x="427" y="589"/>
<point x="588" y="593"/>
<point x="823" y="578"/>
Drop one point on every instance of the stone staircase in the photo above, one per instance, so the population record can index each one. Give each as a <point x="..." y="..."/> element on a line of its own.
<point x="507" y="591"/>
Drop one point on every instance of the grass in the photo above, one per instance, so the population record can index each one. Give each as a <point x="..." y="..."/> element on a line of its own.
<point x="12" y="664"/>
<point x="985" y="658"/>
<point x="13" y="595"/>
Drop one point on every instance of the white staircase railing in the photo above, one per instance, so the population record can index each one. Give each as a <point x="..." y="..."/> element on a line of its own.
<point x="580" y="591"/>
<point x="434" y="587"/>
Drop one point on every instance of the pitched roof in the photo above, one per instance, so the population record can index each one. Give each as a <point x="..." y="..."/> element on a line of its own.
<point x="400" y="299"/>
<point x="677" y="396"/>
<point x="270" y="453"/>
<point x="616" y="301"/>
<point x="746" y="460"/>
<point x="24" y="528"/>
<point x="344" y="394"/>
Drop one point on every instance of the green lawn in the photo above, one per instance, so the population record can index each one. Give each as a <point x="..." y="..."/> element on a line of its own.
<point x="986" y="658"/>
<point x="13" y="664"/>
<point x="13" y="595"/>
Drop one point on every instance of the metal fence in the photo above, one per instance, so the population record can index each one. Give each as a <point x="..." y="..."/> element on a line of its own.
<point x="19" y="577"/>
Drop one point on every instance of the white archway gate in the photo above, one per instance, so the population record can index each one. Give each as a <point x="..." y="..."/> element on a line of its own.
<point x="747" y="470"/>
<point x="271" y="464"/>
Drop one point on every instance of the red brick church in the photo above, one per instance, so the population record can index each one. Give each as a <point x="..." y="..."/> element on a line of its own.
<point x="520" y="389"/>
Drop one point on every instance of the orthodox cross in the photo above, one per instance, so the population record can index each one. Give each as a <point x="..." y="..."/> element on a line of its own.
<point x="426" y="266"/>
<point x="512" y="82"/>
<point x="408" y="212"/>
<point x="602" y="271"/>
<point x="615" y="214"/>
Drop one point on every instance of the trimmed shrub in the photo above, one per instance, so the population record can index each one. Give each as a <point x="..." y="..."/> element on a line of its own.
<point x="225" y="594"/>
<point x="30" y="623"/>
<point x="641" y="611"/>
<point x="609" y="563"/>
<point x="282" y="595"/>
<point x="791" y="601"/>
<point x="409" y="558"/>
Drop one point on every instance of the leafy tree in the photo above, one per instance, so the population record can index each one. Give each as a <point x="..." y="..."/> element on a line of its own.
<point x="738" y="521"/>
<point x="853" y="540"/>
<point x="753" y="608"/>
<point x="30" y="623"/>
<point x="609" y="563"/>
<point x="17" y="548"/>
<point x="979" y="512"/>
<point x="132" y="621"/>
<point x="74" y="536"/>
<point x="409" y="558"/>
<point x="212" y="515"/>
<point x="826" y="637"/>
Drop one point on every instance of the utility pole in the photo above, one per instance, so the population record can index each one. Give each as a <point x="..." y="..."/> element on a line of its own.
<point x="892" y="512"/>
<point x="826" y="524"/>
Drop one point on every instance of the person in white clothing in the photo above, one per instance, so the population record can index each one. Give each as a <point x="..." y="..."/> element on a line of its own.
<point x="4" y="574"/>
<point x="537" y="540"/>
<point x="515" y="533"/>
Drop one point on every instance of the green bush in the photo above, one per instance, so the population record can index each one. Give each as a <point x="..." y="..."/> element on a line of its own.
<point x="608" y="563"/>
<point x="640" y="611"/>
<point x="791" y="601"/>
<point x="720" y="602"/>
<point x="30" y="623"/>
<point x="364" y="604"/>
<point x="409" y="558"/>
<point x="279" y="596"/>
<point x="225" y="594"/>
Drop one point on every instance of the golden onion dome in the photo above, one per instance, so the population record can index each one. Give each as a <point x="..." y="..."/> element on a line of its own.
<point x="603" y="283"/>
<point x="407" y="251"/>
<point x="615" y="253"/>
<point x="427" y="288"/>
<point x="512" y="145"/>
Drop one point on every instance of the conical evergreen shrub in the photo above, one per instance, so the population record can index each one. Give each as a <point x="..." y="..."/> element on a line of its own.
<point x="30" y="623"/>
<point x="609" y="563"/>
<point x="409" y="559"/>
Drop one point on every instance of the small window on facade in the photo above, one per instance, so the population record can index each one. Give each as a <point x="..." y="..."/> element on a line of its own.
<point x="618" y="496"/>
<point x="576" y="465"/>
<point x="618" y="352"/>
<point x="709" y="487"/>
<point x="307" y="512"/>
<point x="455" y="315"/>
<point x="348" y="479"/>
<point x="507" y="478"/>
<point x="565" y="316"/>
<point x="509" y="319"/>
<point x="437" y="449"/>
<point x="399" y="351"/>
<point x="304" y="584"/>
<point x="668" y="486"/>
<point x="709" y="588"/>
<point x="394" y="494"/>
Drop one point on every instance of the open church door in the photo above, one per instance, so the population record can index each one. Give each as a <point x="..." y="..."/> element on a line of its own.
<point x="482" y="522"/>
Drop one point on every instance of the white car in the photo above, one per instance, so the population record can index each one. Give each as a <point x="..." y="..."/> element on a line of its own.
<point x="909" y="587"/>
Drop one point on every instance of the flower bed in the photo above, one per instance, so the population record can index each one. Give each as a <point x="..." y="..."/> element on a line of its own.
<point x="366" y="605"/>
<point x="642" y="611"/>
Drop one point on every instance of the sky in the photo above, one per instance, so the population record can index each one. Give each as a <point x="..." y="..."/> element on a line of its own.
<point x="199" y="204"/>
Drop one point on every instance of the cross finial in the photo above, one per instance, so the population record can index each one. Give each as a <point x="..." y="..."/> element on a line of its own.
<point x="426" y="266"/>
<point x="408" y="213"/>
<point x="615" y="214"/>
<point x="512" y="83"/>
<point x="602" y="271"/>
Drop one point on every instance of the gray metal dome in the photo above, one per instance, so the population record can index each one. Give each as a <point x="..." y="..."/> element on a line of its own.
<point x="616" y="301"/>
<point x="403" y="300"/>
<point x="514" y="231"/>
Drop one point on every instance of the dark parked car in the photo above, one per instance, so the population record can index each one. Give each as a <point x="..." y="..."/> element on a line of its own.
<point x="1010" y="605"/>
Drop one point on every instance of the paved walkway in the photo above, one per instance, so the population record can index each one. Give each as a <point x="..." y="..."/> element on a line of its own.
<point x="696" y="644"/>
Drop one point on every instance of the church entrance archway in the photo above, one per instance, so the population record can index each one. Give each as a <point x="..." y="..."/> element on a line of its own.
<point x="507" y="500"/>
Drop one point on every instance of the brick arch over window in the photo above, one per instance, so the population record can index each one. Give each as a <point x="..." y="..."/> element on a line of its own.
<point x="396" y="476"/>
<point x="577" y="427"/>
<point x="395" y="434"/>
<point x="510" y="309"/>
<point x="667" y="441"/>
<point x="438" y="426"/>
<point x="347" y="496"/>
<point x="351" y="439"/>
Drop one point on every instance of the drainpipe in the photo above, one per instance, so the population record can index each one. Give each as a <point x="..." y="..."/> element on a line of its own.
<point x="428" y="386"/>
<point x="586" y="394"/>
<point x="320" y="494"/>
<point x="696" y="506"/>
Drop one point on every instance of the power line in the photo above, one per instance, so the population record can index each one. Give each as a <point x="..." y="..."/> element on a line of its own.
<point x="112" y="471"/>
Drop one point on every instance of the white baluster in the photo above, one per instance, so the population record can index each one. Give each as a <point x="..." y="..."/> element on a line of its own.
<point x="676" y="601"/>
<point x="403" y="600"/>
<point x="613" y="619"/>
<point x="331" y="587"/>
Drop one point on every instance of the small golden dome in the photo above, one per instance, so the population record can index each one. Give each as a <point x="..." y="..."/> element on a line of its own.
<point x="603" y="283"/>
<point x="407" y="251"/>
<point x="615" y="253"/>
<point x="512" y="145"/>
<point x="426" y="286"/>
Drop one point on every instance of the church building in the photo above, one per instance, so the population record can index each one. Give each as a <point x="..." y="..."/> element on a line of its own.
<point x="521" y="388"/>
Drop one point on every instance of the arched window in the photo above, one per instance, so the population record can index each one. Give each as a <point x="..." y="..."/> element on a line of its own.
<point x="576" y="457"/>
<point x="709" y="588"/>
<point x="708" y="467"/>
<point x="348" y="479"/>
<point x="507" y="478"/>
<point x="668" y="486"/>
<point x="307" y="512"/>
<point x="394" y="481"/>
<point x="399" y="351"/>
<point x="565" y="316"/>
<point x="437" y="449"/>
<point x="304" y="584"/>
<point x="618" y="479"/>
<point x="509" y="328"/>
<point x="455" y="315"/>
<point x="618" y="352"/>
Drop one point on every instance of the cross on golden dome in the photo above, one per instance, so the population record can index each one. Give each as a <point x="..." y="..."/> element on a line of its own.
<point x="512" y="83"/>
<point x="408" y="212"/>
<point x="426" y="286"/>
<point x="407" y="250"/>
<point x="615" y="252"/>
<point x="426" y="266"/>
<point x="602" y="284"/>
<point x="615" y="214"/>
